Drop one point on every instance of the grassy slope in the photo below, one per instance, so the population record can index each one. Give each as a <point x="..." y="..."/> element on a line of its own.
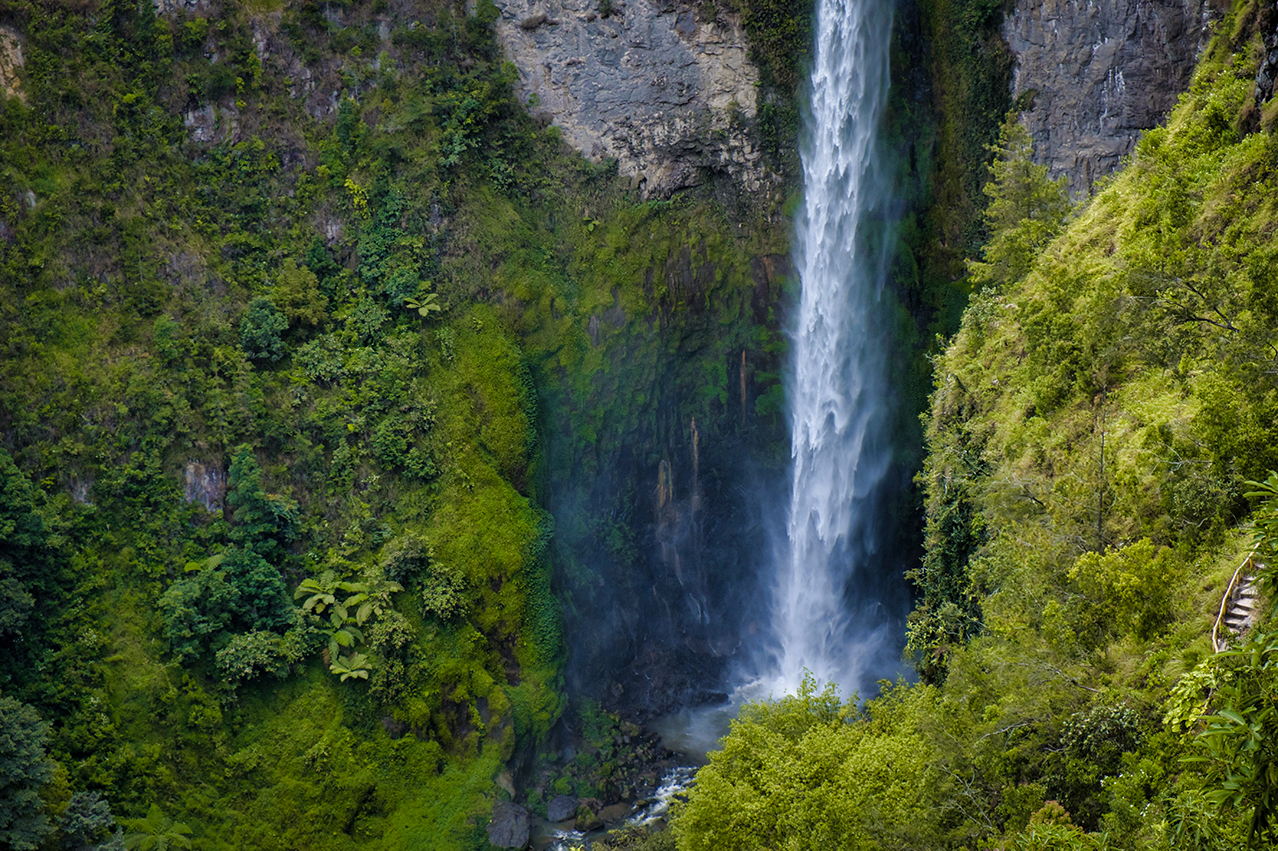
<point x="1089" y="440"/>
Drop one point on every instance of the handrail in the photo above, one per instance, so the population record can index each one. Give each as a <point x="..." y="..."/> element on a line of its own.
<point x="1224" y="601"/>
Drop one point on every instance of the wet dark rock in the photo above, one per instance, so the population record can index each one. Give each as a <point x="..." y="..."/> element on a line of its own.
<point x="510" y="826"/>
<point x="561" y="808"/>
<point x="1268" y="73"/>
<point x="1100" y="73"/>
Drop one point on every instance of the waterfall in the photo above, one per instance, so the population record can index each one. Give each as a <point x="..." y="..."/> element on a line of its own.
<point x="826" y="616"/>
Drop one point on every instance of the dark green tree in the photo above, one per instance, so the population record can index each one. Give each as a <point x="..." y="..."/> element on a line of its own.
<point x="85" y="822"/>
<point x="22" y="548"/>
<point x="261" y="328"/>
<point x="1027" y="209"/>
<point x="24" y="769"/>
<point x="265" y="523"/>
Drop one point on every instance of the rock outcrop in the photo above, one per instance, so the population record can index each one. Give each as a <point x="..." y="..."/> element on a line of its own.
<point x="177" y="7"/>
<point x="647" y="82"/>
<point x="10" y="62"/>
<point x="205" y="484"/>
<point x="1099" y="72"/>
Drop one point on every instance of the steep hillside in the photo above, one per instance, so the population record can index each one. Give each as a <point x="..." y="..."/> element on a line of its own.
<point x="1096" y="429"/>
<point x="305" y="326"/>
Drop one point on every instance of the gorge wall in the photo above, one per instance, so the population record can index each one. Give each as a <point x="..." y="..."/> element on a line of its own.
<point x="1096" y="73"/>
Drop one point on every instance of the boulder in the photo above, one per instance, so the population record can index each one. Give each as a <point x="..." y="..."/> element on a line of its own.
<point x="561" y="807"/>
<point x="510" y="825"/>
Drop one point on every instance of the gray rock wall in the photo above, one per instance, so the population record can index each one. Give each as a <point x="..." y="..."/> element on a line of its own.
<point x="10" y="64"/>
<point x="650" y="84"/>
<point x="1102" y="71"/>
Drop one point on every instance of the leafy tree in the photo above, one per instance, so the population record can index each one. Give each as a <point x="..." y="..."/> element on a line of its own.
<point x="262" y="521"/>
<point x="1026" y="211"/>
<point x="443" y="591"/>
<point x="24" y="769"/>
<point x="297" y="294"/>
<point x="808" y="771"/>
<point x="1124" y="590"/>
<point x="249" y="655"/>
<point x="260" y="330"/>
<point x="195" y="609"/>
<point x="1050" y="829"/>
<point x="261" y="601"/>
<point x="156" y="832"/>
<point x="23" y="549"/>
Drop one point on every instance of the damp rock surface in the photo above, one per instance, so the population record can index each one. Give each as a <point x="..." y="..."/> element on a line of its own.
<point x="1099" y="73"/>
<point x="561" y="808"/>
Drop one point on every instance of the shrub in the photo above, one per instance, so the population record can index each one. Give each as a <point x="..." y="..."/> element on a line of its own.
<point x="260" y="330"/>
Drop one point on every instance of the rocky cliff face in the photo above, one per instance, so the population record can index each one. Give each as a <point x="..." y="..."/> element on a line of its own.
<point x="1100" y="72"/>
<point x="651" y="83"/>
<point x="10" y="63"/>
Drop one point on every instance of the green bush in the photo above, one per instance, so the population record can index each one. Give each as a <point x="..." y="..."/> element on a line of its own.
<point x="260" y="330"/>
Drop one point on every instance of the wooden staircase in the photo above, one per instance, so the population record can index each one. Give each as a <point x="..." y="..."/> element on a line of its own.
<point x="1240" y="607"/>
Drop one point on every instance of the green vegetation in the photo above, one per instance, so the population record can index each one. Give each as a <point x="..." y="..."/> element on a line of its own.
<point x="301" y="329"/>
<point x="808" y="771"/>
<point x="1099" y="445"/>
<point x="26" y="770"/>
<point x="1026" y="210"/>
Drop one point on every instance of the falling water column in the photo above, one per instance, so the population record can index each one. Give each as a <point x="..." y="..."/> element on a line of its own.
<point x="838" y="390"/>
